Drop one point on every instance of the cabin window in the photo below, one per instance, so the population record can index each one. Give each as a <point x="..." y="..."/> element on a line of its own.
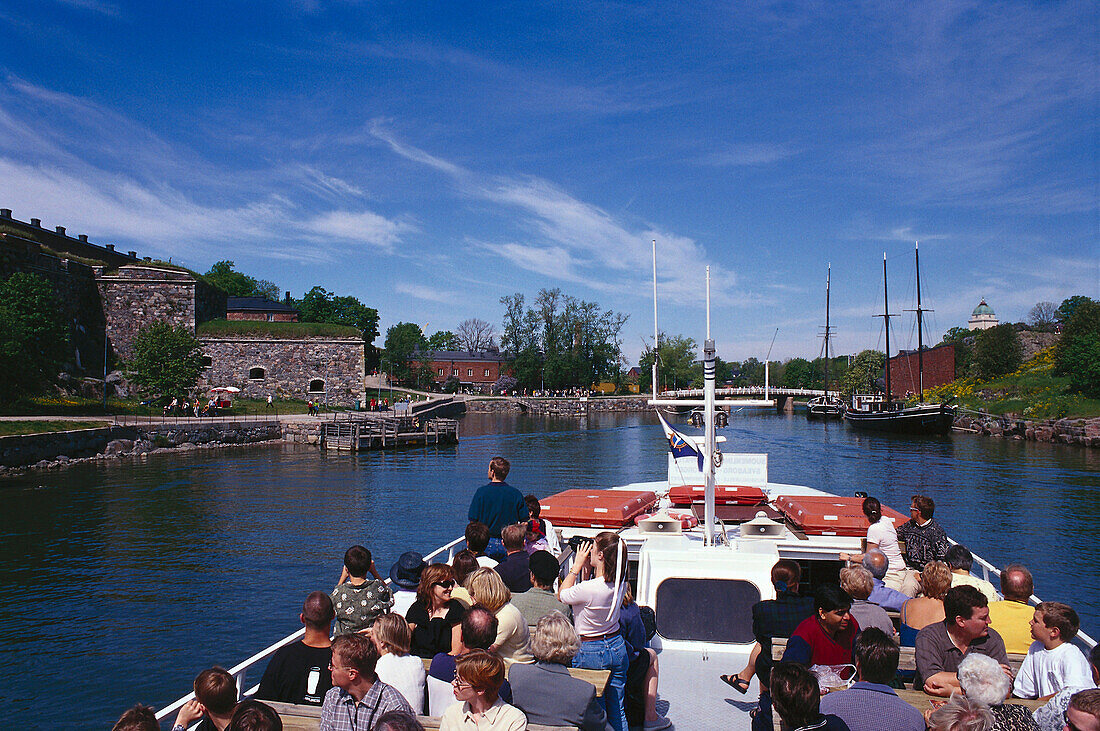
<point x="316" y="386"/>
<point x="706" y="610"/>
<point x="441" y="371"/>
<point x="207" y="361"/>
<point x="486" y="372"/>
<point x="256" y="374"/>
<point x="454" y="372"/>
<point x="469" y="372"/>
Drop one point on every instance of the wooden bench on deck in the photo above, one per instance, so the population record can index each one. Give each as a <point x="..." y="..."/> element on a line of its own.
<point x="308" y="718"/>
<point x="907" y="663"/>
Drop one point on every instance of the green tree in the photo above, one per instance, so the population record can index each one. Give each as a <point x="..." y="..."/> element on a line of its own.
<point x="1041" y="316"/>
<point x="444" y="340"/>
<point x="997" y="351"/>
<point x="167" y="360"/>
<point x="34" y="337"/>
<point x="676" y="367"/>
<point x="866" y="368"/>
<point x="1068" y="306"/>
<point x="799" y="373"/>
<point x="238" y="284"/>
<point x="962" y="338"/>
<point x="403" y="340"/>
<point x="1078" y="352"/>
<point x="320" y="305"/>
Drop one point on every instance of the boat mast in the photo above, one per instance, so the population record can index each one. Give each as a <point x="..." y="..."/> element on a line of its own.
<point x="655" y="335"/>
<point x="708" y="420"/>
<point x="920" y="329"/>
<point x="886" y="320"/>
<point x="828" y="277"/>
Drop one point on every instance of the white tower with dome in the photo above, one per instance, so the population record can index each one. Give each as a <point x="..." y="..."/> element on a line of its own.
<point x="983" y="317"/>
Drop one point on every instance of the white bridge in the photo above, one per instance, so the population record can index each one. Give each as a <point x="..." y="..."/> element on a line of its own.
<point x="697" y="393"/>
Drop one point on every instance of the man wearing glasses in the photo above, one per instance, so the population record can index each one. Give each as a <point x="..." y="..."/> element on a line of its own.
<point x="924" y="539"/>
<point x="358" y="697"/>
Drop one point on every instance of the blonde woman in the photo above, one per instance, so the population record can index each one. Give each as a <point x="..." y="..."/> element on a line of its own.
<point x="487" y="589"/>
<point x="396" y="667"/>
<point x="593" y="588"/>
<point x="919" y="612"/>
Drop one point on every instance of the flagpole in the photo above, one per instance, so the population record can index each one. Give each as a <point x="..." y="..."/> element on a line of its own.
<point x="708" y="421"/>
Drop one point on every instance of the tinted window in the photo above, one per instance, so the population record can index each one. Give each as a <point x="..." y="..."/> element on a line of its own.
<point x="709" y="610"/>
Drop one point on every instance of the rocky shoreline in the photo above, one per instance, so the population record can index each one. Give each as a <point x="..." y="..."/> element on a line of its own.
<point x="1083" y="432"/>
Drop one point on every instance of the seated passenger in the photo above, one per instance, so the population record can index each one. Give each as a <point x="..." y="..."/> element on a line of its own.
<point x="398" y="721"/>
<point x="298" y="672"/>
<point x="488" y="590"/>
<point x="797" y="699"/>
<point x="515" y="569"/>
<point x="941" y="646"/>
<point x="1083" y="713"/>
<point x="464" y="563"/>
<point x="1052" y="716"/>
<point x="984" y="682"/>
<point x="875" y="561"/>
<point x="358" y="697"/>
<point x="871" y="704"/>
<point x="357" y="600"/>
<point x="476" y="686"/>
<point x="477" y="540"/>
<point x="405" y="580"/>
<point x="396" y="667"/>
<point x="536" y="527"/>
<point x="826" y="637"/>
<point x="1053" y="662"/>
<point x="642" y="673"/>
<point x="540" y="599"/>
<point x="434" y="616"/>
<point x="214" y="701"/>
<point x="1012" y="616"/>
<point x="924" y="539"/>
<point x="857" y="583"/>
<point x="773" y="618"/>
<point x="254" y="715"/>
<point x="960" y="560"/>
<point x="882" y="536"/>
<point x="545" y="691"/>
<point x="960" y="714"/>
<point x="478" y="632"/>
<point x="921" y="611"/>
<point x="138" y="718"/>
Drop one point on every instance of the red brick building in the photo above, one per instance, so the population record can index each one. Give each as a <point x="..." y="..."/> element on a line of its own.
<point x="476" y="370"/>
<point x="939" y="368"/>
<point x="260" y="309"/>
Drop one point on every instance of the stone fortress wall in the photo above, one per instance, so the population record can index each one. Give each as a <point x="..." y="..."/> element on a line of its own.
<point x="325" y="369"/>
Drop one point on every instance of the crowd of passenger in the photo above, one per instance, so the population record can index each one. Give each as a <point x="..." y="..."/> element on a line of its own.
<point x="503" y="604"/>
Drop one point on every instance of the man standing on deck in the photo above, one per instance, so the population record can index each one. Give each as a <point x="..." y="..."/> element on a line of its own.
<point x="299" y="672"/>
<point x="498" y="504"/>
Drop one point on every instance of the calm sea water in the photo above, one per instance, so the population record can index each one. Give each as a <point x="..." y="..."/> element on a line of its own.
<point x="118" y="583"/>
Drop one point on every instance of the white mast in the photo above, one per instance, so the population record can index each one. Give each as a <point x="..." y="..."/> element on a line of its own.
<point x="655" y="335"/>
<point x="708" y="420"/>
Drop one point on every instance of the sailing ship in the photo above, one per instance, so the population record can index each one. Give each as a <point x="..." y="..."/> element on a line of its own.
<point x="826" y="406"/>
<point x="874" y="413"/>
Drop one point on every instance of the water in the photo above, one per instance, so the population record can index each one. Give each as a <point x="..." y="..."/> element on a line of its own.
<point x="119" y="582"/>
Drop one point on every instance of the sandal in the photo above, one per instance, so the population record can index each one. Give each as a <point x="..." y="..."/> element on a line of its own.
<point x="736" y="682"/>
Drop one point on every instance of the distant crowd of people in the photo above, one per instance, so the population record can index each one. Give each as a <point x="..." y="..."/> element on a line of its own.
<point x="503" y="602"/>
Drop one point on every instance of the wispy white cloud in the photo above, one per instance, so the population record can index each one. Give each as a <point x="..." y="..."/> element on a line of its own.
<point x="746" y="154"/>
<point x="96" y="6"/>
<point x="423" y="292"/>
<point x="358" y="227"/>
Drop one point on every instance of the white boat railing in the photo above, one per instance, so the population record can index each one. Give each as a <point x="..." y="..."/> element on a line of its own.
<point x="240" y="671"/>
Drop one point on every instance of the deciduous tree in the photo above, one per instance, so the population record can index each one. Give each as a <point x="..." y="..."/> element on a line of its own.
<point x="402" y="341"/>
<point x="997" y="351"/>
<point x="320" y="305"/>
<point x="475" y="335"/>
<point x="238" y="284"/>
<point x="33" y="338"/>
<point x="1041" y="316"/>
<point x="167" y="360"/>
<point x="676" y="364"/>
<point x="1078" y="352"/>
<point x="865" y="370"/>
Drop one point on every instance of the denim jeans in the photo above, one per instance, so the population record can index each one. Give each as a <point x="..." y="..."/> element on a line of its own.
<point x="608" y="653"/>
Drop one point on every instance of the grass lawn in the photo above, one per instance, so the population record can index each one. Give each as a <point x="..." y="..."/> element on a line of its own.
<point x="9" y="428"/>
<point x="1031" y="392"/>
<point x="227" y="328"/>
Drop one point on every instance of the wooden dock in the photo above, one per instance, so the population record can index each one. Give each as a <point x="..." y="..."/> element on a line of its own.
<point x="357" y="432"/>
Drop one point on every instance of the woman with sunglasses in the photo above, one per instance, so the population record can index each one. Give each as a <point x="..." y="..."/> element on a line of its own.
<point x="434" y="618"/>
<point x="477" y="686"/>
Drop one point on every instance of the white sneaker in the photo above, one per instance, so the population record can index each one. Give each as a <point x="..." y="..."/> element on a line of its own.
<point x="657" y="725"/>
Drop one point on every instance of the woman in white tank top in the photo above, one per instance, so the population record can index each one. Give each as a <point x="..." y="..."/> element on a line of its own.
<point x="883" y="535"/>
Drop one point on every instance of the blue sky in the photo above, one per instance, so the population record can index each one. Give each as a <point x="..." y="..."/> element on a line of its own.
<point x="429" y="158"/>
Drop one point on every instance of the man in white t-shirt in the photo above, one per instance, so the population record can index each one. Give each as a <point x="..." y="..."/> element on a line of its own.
<point x="1053" y="662"/>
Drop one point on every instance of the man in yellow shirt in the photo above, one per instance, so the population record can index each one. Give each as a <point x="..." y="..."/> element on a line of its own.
<point x="1011" y="617"/>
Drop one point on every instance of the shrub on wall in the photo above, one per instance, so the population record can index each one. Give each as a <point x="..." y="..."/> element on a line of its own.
<point x="33" y="339"/>
<point x="166" y="362"/>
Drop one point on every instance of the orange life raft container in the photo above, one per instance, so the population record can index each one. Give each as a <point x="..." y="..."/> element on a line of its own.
<point x="682" y="495"/>
<point x="823" y="515"/>
<point x="596" y="508"/>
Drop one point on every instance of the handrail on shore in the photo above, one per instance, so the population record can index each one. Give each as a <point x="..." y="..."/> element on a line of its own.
<point x="240" y="670"/>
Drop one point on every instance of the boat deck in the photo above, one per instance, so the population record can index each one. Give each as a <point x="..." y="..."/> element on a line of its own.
<point x="692" y="695"/>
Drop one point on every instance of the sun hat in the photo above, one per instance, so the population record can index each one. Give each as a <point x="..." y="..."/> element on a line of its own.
<point x="405" y="574"/>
